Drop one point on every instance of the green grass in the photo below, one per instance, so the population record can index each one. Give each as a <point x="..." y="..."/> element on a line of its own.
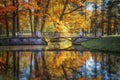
<point x="107" y="44"/>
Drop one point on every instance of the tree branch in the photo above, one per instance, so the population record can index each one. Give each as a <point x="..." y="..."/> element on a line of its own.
<point x="44" y="16"/>
<point x="73" y="10"/>
<point x="76" y="8"/>
<point x="83" y="1"/>
<point x="62" y="14"/>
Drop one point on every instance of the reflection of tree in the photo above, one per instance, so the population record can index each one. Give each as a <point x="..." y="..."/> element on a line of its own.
<point x="58" y="65"/>
<point x="2" y="63"/>
<point x="31" y="58"/>
<point x="65" y="64"/>
<point x="36" y="61"/>
<point x="14" y="63"/>
<point x="45" y="67"/>
<point x="7" y="60"/>
<point x="40" y="68"/>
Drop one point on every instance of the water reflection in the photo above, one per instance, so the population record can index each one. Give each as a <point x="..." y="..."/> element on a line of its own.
<point x="58" y="65"/>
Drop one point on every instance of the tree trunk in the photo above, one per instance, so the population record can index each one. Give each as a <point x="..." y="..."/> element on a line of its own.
<point x="117" y="29"/>
<point x="36" y="22"/>
<point x="114" y="31"/>
<point x="102" y="23"/>
<point x="30" y="15"/>
<point x="85" y="11"/>
<point x="95" y="28"/>
<point x="44" y="16"/>
<point x="109" y="19"/>
<point x="6" y="22"/>
<point x="31" y="24"/>
<point x="14" y="21"/>
<point x="17" y="18"/>
<point x="62" y="14"/>
<point x="36" y="18"/>
<point x="109" y="25"/>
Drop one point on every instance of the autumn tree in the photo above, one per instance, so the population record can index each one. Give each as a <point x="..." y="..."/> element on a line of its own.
<point x="57" y="62"/>
<point x="68" y="13"/>
<point x="31" y="21"/>
<point x="5" y="15"/>
<point x="41" y="15"/>
<point x="6" y="21"/>
<point x="102" y="13"/>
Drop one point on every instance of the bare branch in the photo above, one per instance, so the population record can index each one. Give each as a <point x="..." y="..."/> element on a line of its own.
<point x="65" y="5"/>
<point x="73" y="10"/>
<point x="83" y="1"/>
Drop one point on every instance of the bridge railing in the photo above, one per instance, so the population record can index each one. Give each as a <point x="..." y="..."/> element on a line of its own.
<point x="65" y="34"/>
<point x="62" y="34"/>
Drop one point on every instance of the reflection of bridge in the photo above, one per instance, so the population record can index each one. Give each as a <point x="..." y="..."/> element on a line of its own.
<point x="65" y="34"/>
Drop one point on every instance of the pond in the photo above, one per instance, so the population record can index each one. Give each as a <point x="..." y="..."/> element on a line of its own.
<point x="40" y="63"/>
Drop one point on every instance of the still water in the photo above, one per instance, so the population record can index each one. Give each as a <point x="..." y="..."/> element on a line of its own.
<point x="37" y="63"/>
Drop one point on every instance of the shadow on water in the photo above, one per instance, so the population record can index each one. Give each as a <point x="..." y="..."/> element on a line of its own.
<point x="68" y="64"/>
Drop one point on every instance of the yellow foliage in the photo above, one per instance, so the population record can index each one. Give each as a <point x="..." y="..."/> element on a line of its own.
<point x="9" y="8"/>
<point x="36" y="78"/>
<point x="2" y="60"/>
<point x="97" y="78"/>
<point x="68" y="58"/>
<point x="38" y="14"/>
<point x="55" y="10"/>
<point x="32" y="6"/>
<point x="95" y="1"/>
<point x="82" y="78"/>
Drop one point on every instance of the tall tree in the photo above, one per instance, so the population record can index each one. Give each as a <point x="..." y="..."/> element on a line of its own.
<point x="14" y="21"/>
<point x="17" y="16"/>
<point x="102" y="22"/>
<point x="109" y="18"/>
<point x="113" y="13"/>
<point x="31" y="22"/>
<point x="96" y="23"/>
<point x="44" y="15"/>
<point x="36" y="19"/>
<point x="6" y="22"/>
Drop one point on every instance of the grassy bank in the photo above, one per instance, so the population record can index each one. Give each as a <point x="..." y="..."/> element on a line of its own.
<point x="109" y="44"/>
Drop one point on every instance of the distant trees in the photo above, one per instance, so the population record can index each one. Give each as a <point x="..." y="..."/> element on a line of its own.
<point x="108" y="17"/>
<point x="113" y="16"/>
<point x="33" y="16"/>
